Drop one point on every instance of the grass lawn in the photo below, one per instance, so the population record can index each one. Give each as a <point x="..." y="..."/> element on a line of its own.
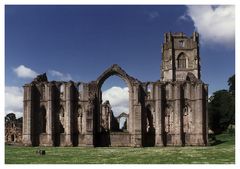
<point x="222" y="153"/>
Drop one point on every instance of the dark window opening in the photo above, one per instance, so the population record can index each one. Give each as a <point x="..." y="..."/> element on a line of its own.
<point x="181" y="61"/>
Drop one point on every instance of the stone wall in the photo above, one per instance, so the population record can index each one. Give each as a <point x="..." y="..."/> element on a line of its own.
<point x="13" y="132"/>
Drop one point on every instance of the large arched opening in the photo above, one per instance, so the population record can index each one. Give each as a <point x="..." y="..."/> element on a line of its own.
<point x="115" y="103"/>
<point x="109" y="128"/>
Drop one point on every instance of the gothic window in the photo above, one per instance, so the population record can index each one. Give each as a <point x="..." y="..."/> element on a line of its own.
<point x="168" y="119"/>
<point x="12" y="138"/>
<point x="149" y="90"/>
<point x="181" y="43"/>
<point x="186" y="111"/>
<point x="80" y="90"/>
<point x="79" y="113"/>
<point x="123" y="123"/>
<point x="181" y="61"/>
<point x="61" y="90"/>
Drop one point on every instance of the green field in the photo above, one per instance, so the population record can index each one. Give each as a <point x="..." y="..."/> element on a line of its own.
<point x="221" y="153"/>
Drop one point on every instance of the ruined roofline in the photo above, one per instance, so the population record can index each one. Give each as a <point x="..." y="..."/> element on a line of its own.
<point x="176" y="35"/>
<point x="113" y="69"/>
<point x="144" y="83"/>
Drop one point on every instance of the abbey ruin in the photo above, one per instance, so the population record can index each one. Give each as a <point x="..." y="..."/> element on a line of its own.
<point x="169" y="112"/>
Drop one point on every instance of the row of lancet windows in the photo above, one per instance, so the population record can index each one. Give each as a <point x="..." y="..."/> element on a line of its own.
<point x="169" y="119"/>
<point x="43" y="121"/>
<point x="43" y="118"/>
<point x="149" y="89"/>
<point x="62" y="89"/>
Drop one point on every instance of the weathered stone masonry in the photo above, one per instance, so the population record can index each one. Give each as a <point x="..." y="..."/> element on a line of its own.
<point x="168" y="112"/>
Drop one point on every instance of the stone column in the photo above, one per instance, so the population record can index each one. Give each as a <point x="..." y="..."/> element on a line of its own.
<point x="89" y="137"/>
<point x="84" y="102"/>
<point x="205" y="101"/>
<point x="131" y="110"/>
<point x="27" y="116"/>
<point x="176" y="134"/>
<point x="81" y="141"/>
<point x="199" y="116"/>
<point x="158" y="111"/>
<point x="68" y="113"/>
<point x="49" y="115"/>
<point x="137" y="120"/>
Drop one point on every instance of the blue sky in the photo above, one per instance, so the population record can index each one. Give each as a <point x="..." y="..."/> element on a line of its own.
<point x="79" y="42"/>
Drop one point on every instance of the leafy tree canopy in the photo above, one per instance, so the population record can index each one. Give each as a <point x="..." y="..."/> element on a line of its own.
<point x="221" y="108"/>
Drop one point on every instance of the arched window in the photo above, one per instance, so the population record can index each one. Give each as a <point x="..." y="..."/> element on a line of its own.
<point x="12" y="138"/>
<point x="186" y="121"/>
<point x="168" y="118"/>
<point x="80" y="90"/>
<point x="61" y="89"/>
<point x="149" y="90"/>
<point x="181" y="61"/>
<point x="79" y="116"/>
<point x="181" y="43"/>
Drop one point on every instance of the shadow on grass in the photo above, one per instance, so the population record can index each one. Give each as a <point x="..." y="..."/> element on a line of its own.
<point x="217" y="142"/>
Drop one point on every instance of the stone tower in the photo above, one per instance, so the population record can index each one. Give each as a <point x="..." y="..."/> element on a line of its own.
<point x="180" y="56"/>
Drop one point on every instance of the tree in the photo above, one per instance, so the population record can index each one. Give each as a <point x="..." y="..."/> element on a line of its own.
<point x="11" y="117"/>
<point x="231" y="84"/>
<point x="221" y="108"/>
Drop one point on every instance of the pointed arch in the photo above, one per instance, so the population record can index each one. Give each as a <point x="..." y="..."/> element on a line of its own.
<point x="130" y="82"/>
<point x="80" y="90"/>
<point x="79" y="118"/>
<point x="186" y="118"/>
<point x="149" y="90"/>
<point x="62" y="89"/>
<point x="182" y="61"/>
<point x="118" y="71"/>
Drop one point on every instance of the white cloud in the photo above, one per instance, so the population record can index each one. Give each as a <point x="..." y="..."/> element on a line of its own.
<point x="216" y="24"/>
<point x="25" y="72"/>
<point x="118" y="98"/>
<point x="14" y="100"/>
<point x="60" y="76"/>
<point x="153" y="15"/>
